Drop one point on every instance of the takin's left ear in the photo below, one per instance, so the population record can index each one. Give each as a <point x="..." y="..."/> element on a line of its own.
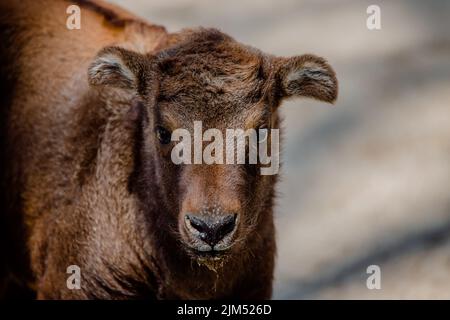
<point x="306" y="76"/>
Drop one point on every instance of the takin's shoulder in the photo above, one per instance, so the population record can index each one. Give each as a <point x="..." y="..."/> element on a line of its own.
<point x="45" y="25"/>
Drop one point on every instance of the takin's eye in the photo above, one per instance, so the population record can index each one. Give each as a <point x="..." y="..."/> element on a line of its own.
<point x="262" y="133"/>
<point x="163" y="135"/>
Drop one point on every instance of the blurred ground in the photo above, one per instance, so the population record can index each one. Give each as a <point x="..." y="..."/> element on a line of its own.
<point x="367" y="181"/>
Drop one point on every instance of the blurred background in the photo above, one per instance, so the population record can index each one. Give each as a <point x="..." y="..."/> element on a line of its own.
<point x="366" y="182"/>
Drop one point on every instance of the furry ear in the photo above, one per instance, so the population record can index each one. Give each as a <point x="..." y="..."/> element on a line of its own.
<point x="307" y="76"/>
<point x="117" y="67"/>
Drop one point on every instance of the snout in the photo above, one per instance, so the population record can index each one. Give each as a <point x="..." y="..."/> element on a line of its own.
<point x="211" y="233"/>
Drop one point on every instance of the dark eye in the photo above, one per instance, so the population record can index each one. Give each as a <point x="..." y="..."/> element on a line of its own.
<point x="262" y="132"/>
<point x="163" y="135"/>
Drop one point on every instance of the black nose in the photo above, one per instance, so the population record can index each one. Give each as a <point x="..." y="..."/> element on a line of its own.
<point x="211" y="229"/>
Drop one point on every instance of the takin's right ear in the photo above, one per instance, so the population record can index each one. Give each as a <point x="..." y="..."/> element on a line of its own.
<point x="118" y="67"/>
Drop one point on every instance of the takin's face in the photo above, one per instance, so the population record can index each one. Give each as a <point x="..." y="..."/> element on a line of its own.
<point x="209" y="81"/>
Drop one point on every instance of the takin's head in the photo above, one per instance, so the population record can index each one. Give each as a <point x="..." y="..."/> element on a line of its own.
<point x="213" y="209"/>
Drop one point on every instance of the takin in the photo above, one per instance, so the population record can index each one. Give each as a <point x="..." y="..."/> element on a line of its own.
<point x="87" y="178"/>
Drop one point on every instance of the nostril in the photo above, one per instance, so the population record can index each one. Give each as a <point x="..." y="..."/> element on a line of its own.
<point x="197" y="223"/>
<point x="226" y="226"/>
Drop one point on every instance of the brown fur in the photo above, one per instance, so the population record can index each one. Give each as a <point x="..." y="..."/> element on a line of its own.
<point x="86" y="181"/>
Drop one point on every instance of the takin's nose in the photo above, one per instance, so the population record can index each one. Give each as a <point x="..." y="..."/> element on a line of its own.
<point x="210" y="229"/>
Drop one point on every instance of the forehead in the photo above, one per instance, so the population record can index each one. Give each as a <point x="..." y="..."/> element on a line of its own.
<point x="211" y="78"/>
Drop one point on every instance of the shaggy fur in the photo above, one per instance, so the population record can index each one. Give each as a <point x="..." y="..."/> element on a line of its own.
<point x="85" y="180"/>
